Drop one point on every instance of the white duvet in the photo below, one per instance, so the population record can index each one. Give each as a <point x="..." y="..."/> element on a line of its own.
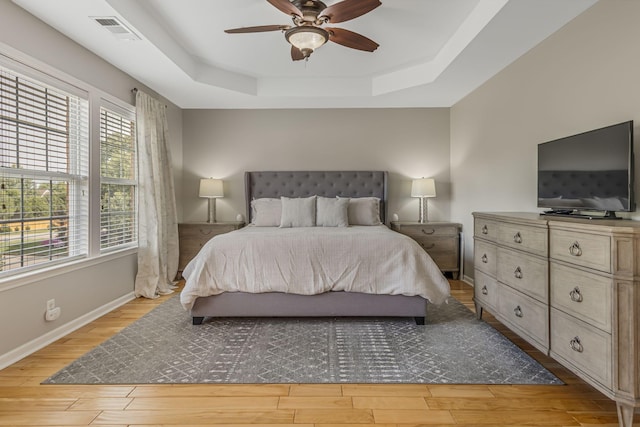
<point x="313" y="260"/>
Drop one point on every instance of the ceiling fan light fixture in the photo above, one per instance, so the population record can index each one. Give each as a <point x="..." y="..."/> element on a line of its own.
<point x="306" y="38"/>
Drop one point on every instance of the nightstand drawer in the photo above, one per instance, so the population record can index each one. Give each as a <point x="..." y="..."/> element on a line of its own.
<point x="443" y="250"/>
<point x="193" y="236"/>
<point x="426" y="230"/>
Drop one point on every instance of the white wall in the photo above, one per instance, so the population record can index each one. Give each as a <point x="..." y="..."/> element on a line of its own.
<point x="90" y="285"/>
<point x="408" y="143"/>
<point x="585" y="76"/>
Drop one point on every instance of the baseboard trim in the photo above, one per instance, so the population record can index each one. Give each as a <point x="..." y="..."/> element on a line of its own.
<point x="468" y="280"/>
<point x="44" y="340"/>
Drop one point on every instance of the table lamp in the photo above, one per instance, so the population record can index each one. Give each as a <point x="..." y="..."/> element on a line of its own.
<point x="211" y="189"/>
<point x="423" y="188"/>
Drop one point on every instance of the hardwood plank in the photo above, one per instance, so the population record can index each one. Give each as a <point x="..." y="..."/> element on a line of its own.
<point x="101" y="403"/>
<point x="356" y="416"/>
<point x="48" y="418"/>
<point x="389" y="402"/>
<point x="76" y="391"/>
<point x="446" y="390"/>
<point x="417" y="416"/>
<point x="34" y="404"/>
<point x="194" y="416"/>
<point x="305" y="402"/>
<point x="186" y="403"/>
<point x="493" y="404"/>
<point x="517" y="417"/>
<point x="318" y="390"/>
<point x="385" y="390"/>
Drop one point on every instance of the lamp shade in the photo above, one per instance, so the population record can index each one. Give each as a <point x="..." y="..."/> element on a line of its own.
<point x="211" y="188"/>
<point x="423" y="187"/>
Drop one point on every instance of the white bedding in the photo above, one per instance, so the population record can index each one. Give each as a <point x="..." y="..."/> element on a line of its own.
<point x="313" y="260"/>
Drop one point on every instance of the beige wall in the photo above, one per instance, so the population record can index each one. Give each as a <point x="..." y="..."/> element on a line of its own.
<point x="407" y="143"/>
<point x="86" y="287"/>
<point x="585" y="76"/>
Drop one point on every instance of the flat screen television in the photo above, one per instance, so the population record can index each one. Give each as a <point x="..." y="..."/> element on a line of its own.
<point x="590" y="171"/>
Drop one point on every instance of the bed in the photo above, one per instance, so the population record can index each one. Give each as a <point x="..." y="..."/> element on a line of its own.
<point x="279" y="271"/>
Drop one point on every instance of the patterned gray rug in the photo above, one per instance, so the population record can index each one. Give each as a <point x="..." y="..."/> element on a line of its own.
<point x="163" y="347"/>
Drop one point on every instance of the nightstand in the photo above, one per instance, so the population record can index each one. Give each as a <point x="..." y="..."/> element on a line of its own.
<point x="193" y="235"/>
<point x="441" y="240"/>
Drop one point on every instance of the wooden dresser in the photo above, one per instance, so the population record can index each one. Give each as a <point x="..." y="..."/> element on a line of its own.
<point x="441" y="240"/>
<point x="193" y="235"/>
<point x="570" y="287"/>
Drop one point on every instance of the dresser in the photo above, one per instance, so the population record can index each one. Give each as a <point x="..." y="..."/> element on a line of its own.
<point x="193" y="235"/>
<point x="570" y="287"/>
<point x="441" y="240"/>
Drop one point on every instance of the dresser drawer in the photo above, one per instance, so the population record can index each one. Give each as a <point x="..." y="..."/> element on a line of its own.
<point x="583" y="295"/>
<point x="485" y="290"/>
<point x="587" y="250"/>
<point x="524" y="272"/>
<point x="485" y="229"/>
<point x="524" y="237"/>
<point x="529" y="317"/>
<point x="584" y="347"/>
<point x="484" y="257"/>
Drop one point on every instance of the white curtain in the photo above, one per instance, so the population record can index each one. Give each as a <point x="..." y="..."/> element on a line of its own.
<point x="158" y="222"/>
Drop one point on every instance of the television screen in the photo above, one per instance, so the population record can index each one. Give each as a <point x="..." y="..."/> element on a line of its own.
<point x="588" y="171"/>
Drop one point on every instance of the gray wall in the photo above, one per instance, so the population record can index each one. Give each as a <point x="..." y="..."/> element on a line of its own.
<point x="408" y="143"/>
<point x="92" y="285"/>
<point x="585" y="76"/>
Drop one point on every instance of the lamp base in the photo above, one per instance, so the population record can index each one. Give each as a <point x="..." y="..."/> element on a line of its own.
<point x="423" y="211"/>
<point x="212" y="210"/>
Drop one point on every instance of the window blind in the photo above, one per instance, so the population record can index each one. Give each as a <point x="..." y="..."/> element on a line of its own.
<point x="118" y="183"/>
<point x="44" y="144"/>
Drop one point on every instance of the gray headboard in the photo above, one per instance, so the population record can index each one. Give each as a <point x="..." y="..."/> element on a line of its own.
<point x="320" y="183"/>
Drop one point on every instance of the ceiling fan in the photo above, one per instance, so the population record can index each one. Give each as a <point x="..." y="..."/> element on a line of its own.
<point x="307" y="33"/>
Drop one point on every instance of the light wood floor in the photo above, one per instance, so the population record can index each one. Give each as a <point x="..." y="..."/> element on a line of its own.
<point x="23" y="401"/>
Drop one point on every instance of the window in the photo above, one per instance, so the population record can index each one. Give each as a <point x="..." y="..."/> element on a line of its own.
<point x="43" y="173"/>
<point x="118" y="213"/>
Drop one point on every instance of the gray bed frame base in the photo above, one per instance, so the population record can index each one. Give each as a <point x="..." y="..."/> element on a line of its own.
<point x="330" y="304"/>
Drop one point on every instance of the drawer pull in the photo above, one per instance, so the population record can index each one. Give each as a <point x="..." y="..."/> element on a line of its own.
<point x="575" y="294"/>
<point x="484" y="258"/>
<point x="575" y="250"/>
<point x="517" y="237"/>
<point x="433" y="230"/>
<point x="431" y="246"/>
<point x="485" y="230"/>
<point x="518" y="273"/>
<point x="485" y="291"/>
<point x="518" y="311"/>
<point x="576" y="345"/>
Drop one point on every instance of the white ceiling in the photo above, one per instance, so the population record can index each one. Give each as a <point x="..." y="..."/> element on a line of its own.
<point x="432" y="52"/>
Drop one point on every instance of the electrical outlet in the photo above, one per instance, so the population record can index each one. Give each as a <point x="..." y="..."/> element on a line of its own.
<point x="51" y="304"/>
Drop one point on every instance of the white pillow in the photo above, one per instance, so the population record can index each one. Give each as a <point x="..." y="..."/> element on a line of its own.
<point x="364" y="211"/>
<point x="266" y="212"/>
<point x="332" y="212"/>
<point x="298" y="212"/>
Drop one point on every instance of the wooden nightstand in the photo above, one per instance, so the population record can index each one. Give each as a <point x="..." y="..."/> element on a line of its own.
<point x="441" y="240"/>
<point x="193" y="235"/>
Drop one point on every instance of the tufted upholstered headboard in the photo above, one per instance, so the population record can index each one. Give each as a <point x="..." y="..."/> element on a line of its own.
<point x="321" y="183"/>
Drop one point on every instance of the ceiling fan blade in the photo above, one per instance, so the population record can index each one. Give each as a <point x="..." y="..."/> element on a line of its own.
<point x="286" y="6"/>
<point x="296" y="54"/>
<point x="350" y="39"/>
<point x="348" y="9"/>
<point x="258" y="29"/>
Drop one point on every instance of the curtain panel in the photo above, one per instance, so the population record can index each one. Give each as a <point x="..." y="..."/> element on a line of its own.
<point x="158" y="222"/>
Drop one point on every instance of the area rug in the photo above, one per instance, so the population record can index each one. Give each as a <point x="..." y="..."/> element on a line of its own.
<point x="164" y="347"/>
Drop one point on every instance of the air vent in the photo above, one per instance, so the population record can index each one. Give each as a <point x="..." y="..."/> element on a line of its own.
<point x="116" y="27"/>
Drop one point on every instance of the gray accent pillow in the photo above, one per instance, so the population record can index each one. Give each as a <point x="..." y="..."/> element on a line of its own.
<point x="332" y="212"/>
<point x="298" y="212"/>
<point x="364" y="211"/>
<point x="266" y="212"/>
